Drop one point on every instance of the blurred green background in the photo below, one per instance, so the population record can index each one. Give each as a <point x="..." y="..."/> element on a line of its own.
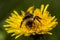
<point x="7" y="6"/>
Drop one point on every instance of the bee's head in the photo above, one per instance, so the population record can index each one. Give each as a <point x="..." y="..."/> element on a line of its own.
<point x="27" y="16"/>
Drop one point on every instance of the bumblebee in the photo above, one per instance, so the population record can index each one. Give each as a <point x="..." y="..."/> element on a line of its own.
<point x="30" y="19"/>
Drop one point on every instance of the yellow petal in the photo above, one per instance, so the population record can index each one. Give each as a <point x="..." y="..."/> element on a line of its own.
<point x="42" y="8"/>
<point x="13" y="34"/>
<point x="45" y="8"/>
<point x="37" y="13"/>
<point x="30" y="9"/>
<point x="18" y="36"/>
<point x="23" y="13"/>
<point x="16" y="13"/>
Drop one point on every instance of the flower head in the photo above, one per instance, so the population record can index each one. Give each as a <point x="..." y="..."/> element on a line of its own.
<point x="41" y="22"/>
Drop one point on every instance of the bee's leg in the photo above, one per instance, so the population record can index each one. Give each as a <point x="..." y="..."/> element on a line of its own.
<point x="21" y="23"/>
<point x="36" y="17"/>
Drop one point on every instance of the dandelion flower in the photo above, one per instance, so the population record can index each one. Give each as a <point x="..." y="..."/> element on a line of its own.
<point x="47" y="22"/>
